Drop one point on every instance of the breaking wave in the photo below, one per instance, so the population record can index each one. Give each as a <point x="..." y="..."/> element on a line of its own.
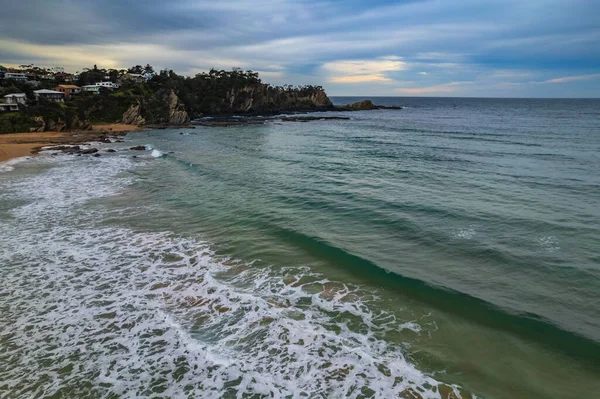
<point x="100" y="310"/>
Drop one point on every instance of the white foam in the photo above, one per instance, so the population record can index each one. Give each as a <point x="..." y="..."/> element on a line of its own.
<point x="97" y="310"/>
<point x="9" y="165"/>
<point x="466" y="233"/>
<point x="157" y="154"/>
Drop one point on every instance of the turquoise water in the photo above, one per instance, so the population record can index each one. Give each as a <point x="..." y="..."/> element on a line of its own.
<point x="449" y="246"/>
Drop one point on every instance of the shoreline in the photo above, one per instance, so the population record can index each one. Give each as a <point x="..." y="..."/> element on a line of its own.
<point x="16" y="145"/>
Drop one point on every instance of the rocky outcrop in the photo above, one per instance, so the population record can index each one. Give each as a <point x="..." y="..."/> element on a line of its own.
<point x="78" y="124"/>
<point x="264" y="99"/>
<point x="163" y="108"/>
<point x="365" y="105"/>
<point x="55" y="125"/>
<point x="177" y="113"/>
<point x="39" y="124"/>
<point x="133" y="116"/>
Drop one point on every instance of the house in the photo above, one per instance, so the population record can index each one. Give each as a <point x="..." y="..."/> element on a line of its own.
<point x="135" y="77"/>
<point x="20" y="76"/>
<point x="68" y="90"/>
<point x="2" y="72"/>
<point x="8" y="107"/>
<point x="108" y="85"/>
<point x="50" y="95"/>
<point x="95" y="89"/>
<point x="63" y="77"/>
<point x="15" y="98"/>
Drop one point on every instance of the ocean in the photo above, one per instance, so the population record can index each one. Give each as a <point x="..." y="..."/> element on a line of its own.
<point x="450" y="249"/>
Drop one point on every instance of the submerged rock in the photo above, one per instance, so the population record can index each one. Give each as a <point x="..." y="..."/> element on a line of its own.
<point x="138" y="148"/>
<point x="89" y="151"/>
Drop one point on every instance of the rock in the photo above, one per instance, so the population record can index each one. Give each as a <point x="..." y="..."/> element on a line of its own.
<point x="96" y="155"/>
<point x="135" y="156"/>
<point x="177" y="113"/>
<point x="110" y="150"/>
<point x="89" y="151"/>
<point x="133" y="116"/>
<point x="55" y="126"/>
<point x="78" y="124"/>
<point x="104" y="140"/>
<point x="362" y="105"/>
<point x="138" y="148"/>
<point x="40" y="124"/>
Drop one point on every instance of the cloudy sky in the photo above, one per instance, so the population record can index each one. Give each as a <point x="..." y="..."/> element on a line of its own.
<point x="521" y="48"/>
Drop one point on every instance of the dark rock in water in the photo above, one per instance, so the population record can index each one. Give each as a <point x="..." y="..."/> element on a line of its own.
<point x="89" y="151"/>
<point x="110" y="150"/>
<point x="365" y="105"/>
<point x="96" y="155"/>
<point x="64" y="148"/>
<point x="78" y="155"/>
<point x="180" y="132"/>
<point x="104" y="140"/>
<point x="312" y="118"/>
<point x="138" y="148"/>
<point x="120" y="141"/>
<point x="135" y="156"/>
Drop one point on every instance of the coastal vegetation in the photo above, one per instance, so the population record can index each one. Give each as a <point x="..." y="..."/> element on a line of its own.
<point x="146" y="97"/>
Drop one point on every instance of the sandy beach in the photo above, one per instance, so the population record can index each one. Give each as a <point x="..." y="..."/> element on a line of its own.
<point x="16" y="145"/>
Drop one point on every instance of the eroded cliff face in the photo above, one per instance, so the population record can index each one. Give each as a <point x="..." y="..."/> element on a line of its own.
<point x="262" y="98"/>
<point x="133" y="116"/>
<point x="165" y="107"/>
<point x="177" y="113"/>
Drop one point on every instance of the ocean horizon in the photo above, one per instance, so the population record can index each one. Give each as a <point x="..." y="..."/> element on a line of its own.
<point x="448" y="248"/>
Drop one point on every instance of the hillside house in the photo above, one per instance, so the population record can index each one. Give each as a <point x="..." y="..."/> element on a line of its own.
<point x="50" y="95"/>
<point x="68" y="90"/>
<point x="9" y="107"/>
<point x="18" y="76"/>
<point x="94" y="89"/>
<point x="108" y="85"/>
<point x="15" y="98"/>
<point x="135" y="77"/>
<point x="63" y="77"/>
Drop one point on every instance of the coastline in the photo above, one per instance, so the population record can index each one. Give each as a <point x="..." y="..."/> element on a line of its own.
<point x="16" y="145"/>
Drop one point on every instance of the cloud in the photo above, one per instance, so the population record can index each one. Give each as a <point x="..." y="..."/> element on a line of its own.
<point x="566" y="79"/>
<point x="360" y="71"/>
<point x="344" y="46"/>
<point x="437" y="89"/>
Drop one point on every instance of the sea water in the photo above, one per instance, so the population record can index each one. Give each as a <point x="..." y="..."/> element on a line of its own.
<point x="448" y="248"/>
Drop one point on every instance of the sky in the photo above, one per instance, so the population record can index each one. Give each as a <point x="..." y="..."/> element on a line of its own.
<point x="475" y="48"/>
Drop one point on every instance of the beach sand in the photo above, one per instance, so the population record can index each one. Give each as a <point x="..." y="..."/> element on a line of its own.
<point x="14" y="145"/>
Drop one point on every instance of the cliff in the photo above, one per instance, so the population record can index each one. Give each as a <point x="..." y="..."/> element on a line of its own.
<point x="171" y="99"/>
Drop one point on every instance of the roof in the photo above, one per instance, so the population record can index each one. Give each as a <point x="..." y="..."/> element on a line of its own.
<point x="68" y="86"/>
<point x="15" y="95"/>
<point x="46" y="91"/>
<point x="86" y="86"/>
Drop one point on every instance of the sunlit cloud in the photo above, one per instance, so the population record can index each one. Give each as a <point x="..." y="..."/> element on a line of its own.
<point x="360" y="71"/>
<point x="437" y="89"/>
<point x="566" y="79"/>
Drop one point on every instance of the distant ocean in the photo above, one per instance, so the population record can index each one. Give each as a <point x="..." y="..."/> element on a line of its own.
<point x="451" y="246"/>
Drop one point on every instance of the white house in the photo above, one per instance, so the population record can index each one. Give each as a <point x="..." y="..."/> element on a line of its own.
<point x="8" y="107"/>
<point x="109" y="85"/>
<point x="15" y="98"/>
<point x="21" y="76"/>
<point x="51" y="95"/>
<point x="95" y="89"/>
